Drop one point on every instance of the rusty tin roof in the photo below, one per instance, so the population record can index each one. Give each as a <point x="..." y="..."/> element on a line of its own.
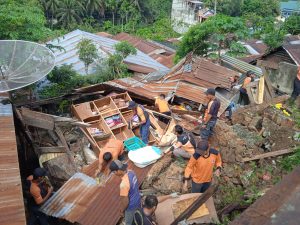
<point x="11" y="197"/>
<point x="81" y="200"/>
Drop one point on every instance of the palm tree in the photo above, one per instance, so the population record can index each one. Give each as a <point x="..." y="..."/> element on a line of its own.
<point x="70" y="12"/>
<point x="52" y="6"/>
<point x="95" y="6"/>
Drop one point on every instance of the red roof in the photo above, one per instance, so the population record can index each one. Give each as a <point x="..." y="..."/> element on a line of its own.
<point x="157" y="52"/>
<point x="11" y="196"/>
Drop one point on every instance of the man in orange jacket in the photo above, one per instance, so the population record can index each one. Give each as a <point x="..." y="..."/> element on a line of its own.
<point x="200" y="167"/>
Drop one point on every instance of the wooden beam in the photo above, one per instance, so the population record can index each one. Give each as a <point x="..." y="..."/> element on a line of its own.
<point x="54" y="149"/>
<point x="199" y="202"/>
<point x="36" y="119"/>
<point x="269" y="154"/>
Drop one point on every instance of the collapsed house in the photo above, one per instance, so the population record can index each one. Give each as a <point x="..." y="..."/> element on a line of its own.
<point x="68" y="148"/>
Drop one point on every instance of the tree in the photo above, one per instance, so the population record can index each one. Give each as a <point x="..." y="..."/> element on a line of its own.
<point x="116" y="61"/>
<point x="95" y="6"/>
<point x="264" y="8"/>
<point x="213" y="35"/>
<point x="227" y="7"/>
<point x="70" y="12"/>
<point x="61" y="74"/>
<point x="87" y="53"/>
<point x="292" y="24"/>
<point x="22" y="19"/>
<point x="51" y="8"/>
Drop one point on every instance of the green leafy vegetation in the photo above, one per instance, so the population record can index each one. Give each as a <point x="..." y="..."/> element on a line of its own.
<point x="217" y="33"/>
<point x="22" y="19"/>
<point x="87" y="52"/>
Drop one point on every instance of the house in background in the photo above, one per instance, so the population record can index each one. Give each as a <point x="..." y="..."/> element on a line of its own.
<point x="281" y="64"/>
<point x="139" y="63"/>
<point x="157" y="51"/>
<point x="186" y="13"/>
<point x="288" y="8"/>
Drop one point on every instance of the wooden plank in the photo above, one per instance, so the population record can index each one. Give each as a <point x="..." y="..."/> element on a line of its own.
<point x="54" y="149"/>
<point x="199" y="202"/>
<point x="269" y="154"/>
<point x="35" y="119"/>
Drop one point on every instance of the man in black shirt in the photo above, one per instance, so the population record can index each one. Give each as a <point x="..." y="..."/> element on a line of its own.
<point x="145" y="216"/>
<point x="185" y="145"/>
<point x="211" y="114"/>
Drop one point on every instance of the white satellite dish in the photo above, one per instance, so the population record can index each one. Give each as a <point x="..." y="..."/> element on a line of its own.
<point x="23" y="63"/>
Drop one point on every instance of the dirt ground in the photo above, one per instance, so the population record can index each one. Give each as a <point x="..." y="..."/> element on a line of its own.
<point x="254" y="131"/>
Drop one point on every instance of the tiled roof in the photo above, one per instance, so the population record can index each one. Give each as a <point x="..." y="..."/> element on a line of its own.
<point x="11" y="198"/>
<point x="81" y="200"/>
<point x="70" y="56"/>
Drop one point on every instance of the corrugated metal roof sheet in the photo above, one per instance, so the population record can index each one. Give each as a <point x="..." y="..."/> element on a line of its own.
<point x="294" y="52"/>
<point x="240" y="65"/>
<point x="70" y="56"/>
<point x="72" y="199"/>
<point x="11" y="197"/>
<point x="81" y="200"/>
<point x="150" y="48"/>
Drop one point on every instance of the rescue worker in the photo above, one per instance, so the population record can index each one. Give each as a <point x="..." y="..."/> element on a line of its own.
<point x="112" y="150"/>
<point x="200" y="167"/>
<point x="244" y="98"/>
<point x="185" y="145"/>
<point x="40" y="191"/>
<point x="129" y="190"/>
<point x="296" y="88"/>
<point x="144" y="120"/>
<point x="163" y="105"/>
<point x="145" y="215"/>
<point x="211" y="114"/>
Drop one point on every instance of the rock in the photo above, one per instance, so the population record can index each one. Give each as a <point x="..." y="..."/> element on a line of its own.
<point x="170" y="180"/>
<point x="155" y="171"/>
<point x="255" y="124"/>
<point x="60" y="170"/>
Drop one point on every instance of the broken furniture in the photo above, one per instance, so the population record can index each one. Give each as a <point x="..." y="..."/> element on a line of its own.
<point x="106" y="118"/>
<point x="165" y="213"/>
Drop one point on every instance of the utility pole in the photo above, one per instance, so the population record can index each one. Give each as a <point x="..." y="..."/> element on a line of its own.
<point x="215" y="9"/>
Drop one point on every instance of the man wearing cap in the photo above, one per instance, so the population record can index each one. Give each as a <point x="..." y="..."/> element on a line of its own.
<point x="129" y="190"/>
<point x="144" y="120"/>
<point x="200" y="167"/>
<point x="211" y="114"/>
<point x="40" y="192"/>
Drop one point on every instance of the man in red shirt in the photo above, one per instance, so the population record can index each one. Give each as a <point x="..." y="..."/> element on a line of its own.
<point x="200" y="167"/>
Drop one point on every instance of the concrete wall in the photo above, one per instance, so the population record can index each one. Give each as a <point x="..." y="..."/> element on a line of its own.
<point x="183" y="17"/>
<point x="283" y="78"/>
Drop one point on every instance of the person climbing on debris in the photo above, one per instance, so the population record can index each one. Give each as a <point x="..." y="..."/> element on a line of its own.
<point x="112" y="150"/>
<point x="244" y="98"/>
<point x="233" y="84"/>
<point x="211" y="114"/>
<point x="296" y="89"/>
<point x="40" y="191"/>
<point x="185" y="145"/>
<point x="129" y="190"/>
<point x="200" y="167"/>
<point x="163" y="107"/>
<point x="145" y="215"/>
<point x="144" y="120"/>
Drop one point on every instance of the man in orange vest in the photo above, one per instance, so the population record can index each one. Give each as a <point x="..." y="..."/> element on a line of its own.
<point x="211" y="114"/>
<point x="200" y="167"/>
